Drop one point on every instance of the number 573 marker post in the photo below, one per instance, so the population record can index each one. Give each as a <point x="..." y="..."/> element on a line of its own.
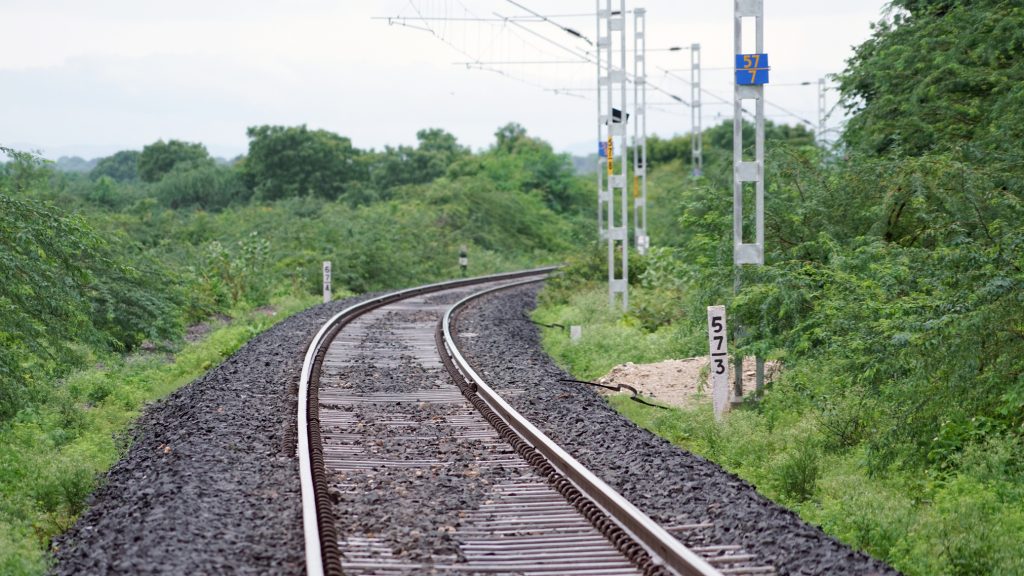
<point x="719" y="375"/>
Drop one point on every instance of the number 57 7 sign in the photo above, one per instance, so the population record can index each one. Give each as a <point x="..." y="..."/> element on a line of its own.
<point x="719" y="375"/>
<point x="752" y="69"/>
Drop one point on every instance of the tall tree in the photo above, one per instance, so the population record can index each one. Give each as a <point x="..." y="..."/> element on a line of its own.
<point x="122" y="166"/>
<point x="295" y="161"/>
<point x="160" y="157"/>
<point x="436" y="152"/>
<point x="508" y="136"/>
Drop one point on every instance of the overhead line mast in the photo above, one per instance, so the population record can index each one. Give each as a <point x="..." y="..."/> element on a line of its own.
<point x="752" y="71"/>
<point x="612" y="132"/>
<point x="697" y="133"/>
<point x="640" y="131"/>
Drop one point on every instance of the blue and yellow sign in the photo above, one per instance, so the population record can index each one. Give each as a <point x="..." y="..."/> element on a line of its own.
<point x="752" y="69"/>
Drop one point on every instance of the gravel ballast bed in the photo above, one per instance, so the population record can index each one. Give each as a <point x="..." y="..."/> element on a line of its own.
<point x="412" y="511"/>
<point x="673" y="486"/>
<point x="210" y="484"/>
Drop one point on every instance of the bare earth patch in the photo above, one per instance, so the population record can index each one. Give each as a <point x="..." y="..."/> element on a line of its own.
<point x="678" y="383"/>
<point x="197" y="332"/>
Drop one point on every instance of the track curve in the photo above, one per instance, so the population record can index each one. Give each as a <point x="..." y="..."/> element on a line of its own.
<point x="321" y="552"/>
<point x="388" y="405"/>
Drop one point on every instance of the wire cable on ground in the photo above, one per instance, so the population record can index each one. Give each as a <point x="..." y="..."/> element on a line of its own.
<point x="618" y="388"/>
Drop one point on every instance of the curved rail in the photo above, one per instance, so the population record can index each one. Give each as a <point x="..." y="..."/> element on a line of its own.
<point x="321" y="553"/>
<point x="663" y="548"/>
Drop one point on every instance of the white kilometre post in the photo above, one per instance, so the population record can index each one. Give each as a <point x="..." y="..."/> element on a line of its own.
<point x="719" y="373"/>
<point x="612" y="131"/>
<point x="751" y="76"/>
<point x="327" y="281"/>
<point x="640" y="130"/>
<point x="697" y="136"/>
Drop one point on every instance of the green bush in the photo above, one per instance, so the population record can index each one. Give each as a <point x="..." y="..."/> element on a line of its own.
<point x="798" y="470"/>
<point x="200" y="185"/>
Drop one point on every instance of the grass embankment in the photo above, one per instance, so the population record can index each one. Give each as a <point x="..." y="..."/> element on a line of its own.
<point x="922" y="523"/>
<point x="53" y="456"/>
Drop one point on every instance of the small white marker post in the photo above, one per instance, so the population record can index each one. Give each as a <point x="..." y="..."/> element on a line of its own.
<point x="575" y="333"/>
<point x="719" y="375"/>
<point x="327" y="281"/>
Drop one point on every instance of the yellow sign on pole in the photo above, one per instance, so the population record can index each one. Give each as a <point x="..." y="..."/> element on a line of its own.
<point x="611" y="155"/>
<point x="636" y="186"/>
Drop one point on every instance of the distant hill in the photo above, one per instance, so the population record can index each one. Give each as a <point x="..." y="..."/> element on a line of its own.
<point x="75" y="164"/>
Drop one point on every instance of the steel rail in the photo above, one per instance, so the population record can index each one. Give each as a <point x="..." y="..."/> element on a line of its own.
<point x="662" y="546"/>
<point x="312" y="512"/>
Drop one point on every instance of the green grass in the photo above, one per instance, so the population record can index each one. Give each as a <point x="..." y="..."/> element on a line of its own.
<point x="53" y="456"/>
<point x="607" y="336"/>
<point x="967" y="524"/>
<point x="970" y="521"/>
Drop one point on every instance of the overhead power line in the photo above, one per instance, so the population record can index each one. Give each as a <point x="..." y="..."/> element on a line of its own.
<point x="565" y="29"/>
<point x="588" y="58"/>
<point x="453" y="19"/>
<point x="500" y="72"/>
<point x="704" y="90"/>
<point x="474" y="63"/>
<point x="521" y="62"/>
<point x="582" y="56"/>
<point x="533" y="19"/>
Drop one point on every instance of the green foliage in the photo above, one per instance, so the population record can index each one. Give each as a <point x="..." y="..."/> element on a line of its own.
<point x="123" y="166"/>
<point x="41" y="317"/>
<point x="798" y="471"/>
<point x="970" y="524"/>
<point x="518" y="161"/>
<point x="286" y="162"/>
<point x="938" y="76"/>
<point x="74" y="164"/>
<point x="64" y="285"/>
<point x="202" y="185"/>
<point x="403" y="165"/>
<point x="159" y="158"/>
<point x="718" y="144"/>
<point x="106" y="285"/>
<point x="55" y="453"/>
<point x="608" y="336"/>
<point x="661" y="151"/>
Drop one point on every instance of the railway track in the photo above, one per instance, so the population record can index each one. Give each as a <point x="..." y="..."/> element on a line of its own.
<point x="411" y="464"/>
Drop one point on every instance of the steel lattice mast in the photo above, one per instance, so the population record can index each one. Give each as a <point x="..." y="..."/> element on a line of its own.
<point x="751" y="76"/>
<point x="697" y="137"/>
<point x="612" y="118"/>
<point x="640" y="130"/>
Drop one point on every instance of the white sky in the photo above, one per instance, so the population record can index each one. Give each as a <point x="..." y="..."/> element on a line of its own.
<point x="91" y="78"/>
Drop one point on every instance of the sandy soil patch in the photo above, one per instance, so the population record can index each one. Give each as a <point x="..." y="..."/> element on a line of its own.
<point x="678" y="383"/>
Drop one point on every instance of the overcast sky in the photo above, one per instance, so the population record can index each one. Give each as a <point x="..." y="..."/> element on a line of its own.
<point x="91" y="78"/>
